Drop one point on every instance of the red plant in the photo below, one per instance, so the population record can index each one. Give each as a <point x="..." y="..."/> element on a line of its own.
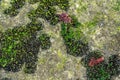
<point x="65" y="18"/>
<point x="94" y="61"/>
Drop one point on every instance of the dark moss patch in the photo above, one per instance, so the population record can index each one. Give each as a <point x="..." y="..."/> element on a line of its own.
<point x="114" y="65"/>
<point x="20" y="45"/>
<point x="44" y="40"/>
<point x="12" y="47"/>
<point x="96" y="54"/>
<point x="98" y="72"/>
<point x="15" y="5"/>
<point x="32" y="48"/>
<point x="103" y="70"/>
<point x="47" y="11"/>
<point x="11" y="11"/>
<point x="76" y="48"/>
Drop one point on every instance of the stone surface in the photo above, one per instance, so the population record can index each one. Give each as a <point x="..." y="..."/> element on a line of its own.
<point x="55" y="63"/>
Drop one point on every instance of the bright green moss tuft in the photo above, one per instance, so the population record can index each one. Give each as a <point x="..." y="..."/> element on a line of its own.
<point x="72" y="39"/>
<point x="117" y="6"/>
<point x="13" y="40"/>
<point x="75" y="22"/>
<point x="20" y="45"/>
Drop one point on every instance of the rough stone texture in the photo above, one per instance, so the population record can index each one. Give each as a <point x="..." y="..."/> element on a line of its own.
<point x="55" y="63"/>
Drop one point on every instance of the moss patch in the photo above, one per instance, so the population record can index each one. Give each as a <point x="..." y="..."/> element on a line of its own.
<point x="103" y="70"/>
<point x="20" y="45"/>
<point x="117" y="6"/>
<point x="13" y="9"/>
<point x="47" y="11"/>
<point x="44" y="40"/>
<point x="72" y="39"/>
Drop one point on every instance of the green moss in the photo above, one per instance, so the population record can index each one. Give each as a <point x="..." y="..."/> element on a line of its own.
<point x="33" y="15"/>
<point x="19" y="46"/>
<point x="13" y="9"/>
<point x="92" y="24"/>
<point x="16" y="4"/>
<point x="117" y="6"/>
<point x="72" y="39"/>
<point x="96" y="54"/>
<point x="9" y="42"/>
<point x="33" y="1"/>
<point x="47" y="11"/>
<point x="114" y="65"/>
<point x="103" y="70"/>
<point x="99" y="71"/>
<point x="13" y="40"/>
<point x="63" y="4"/>
<point x="75" y="22"/>
<point x="44" y="41"/>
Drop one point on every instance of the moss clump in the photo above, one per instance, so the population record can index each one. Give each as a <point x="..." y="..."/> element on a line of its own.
<point x="63" y="4"/>
<point x="103" y="70"/>
<point x="32" y="48"/>
<point x="9" y="42"/>
<point x="99" y="71"/>
<point x="47" y="11"/>
<point x="32" y="15"/>
<point x="17" y="4"/>
<point x="17" y="46"/>
<point x="13" y="9"/>
<point x="117" y="6"/>
<point x="72" y="39"/>
<point x="114" y="65"/>
<point x="44" y="40"/>
<point x="75" y="22"/>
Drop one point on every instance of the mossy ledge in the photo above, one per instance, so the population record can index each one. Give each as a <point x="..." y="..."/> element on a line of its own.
<point x="20" y="45"/>
<point x="72" y="39"/>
